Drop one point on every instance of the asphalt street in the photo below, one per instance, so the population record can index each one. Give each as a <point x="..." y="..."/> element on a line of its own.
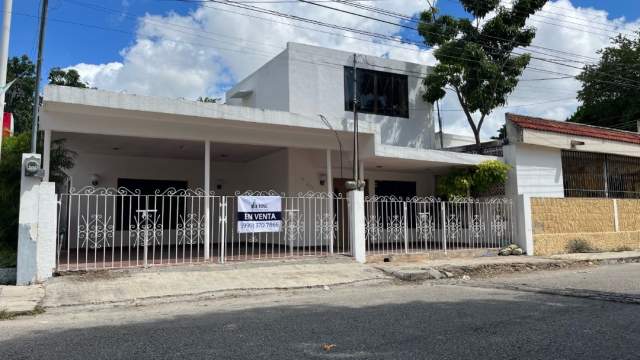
<point x="476" y="319"/>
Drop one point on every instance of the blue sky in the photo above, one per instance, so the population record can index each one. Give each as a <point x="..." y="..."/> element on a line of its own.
<point x="107" y="41"/>
<point x="68" y="43"/>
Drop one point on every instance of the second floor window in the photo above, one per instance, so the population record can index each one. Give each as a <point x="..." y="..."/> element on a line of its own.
<point x="378" y="92"/>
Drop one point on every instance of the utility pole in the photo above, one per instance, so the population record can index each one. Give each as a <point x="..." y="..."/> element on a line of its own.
<point x="4" y="57"/>
<point x="356" y="156"/>
<point x="36" y="95"/>
<point x="440" y="125"/>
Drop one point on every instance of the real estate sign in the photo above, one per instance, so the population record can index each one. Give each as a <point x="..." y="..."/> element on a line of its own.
<point x="259" y="214"/>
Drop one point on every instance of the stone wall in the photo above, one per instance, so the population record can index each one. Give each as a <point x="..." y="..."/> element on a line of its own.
<point x="557" y="222"/>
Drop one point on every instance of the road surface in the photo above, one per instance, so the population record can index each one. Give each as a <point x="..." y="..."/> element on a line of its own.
<point x="476" y="319"/>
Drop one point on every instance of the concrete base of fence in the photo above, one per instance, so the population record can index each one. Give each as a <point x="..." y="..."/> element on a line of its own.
<point x="356" y="225"/>
<point x="36" y="230"/>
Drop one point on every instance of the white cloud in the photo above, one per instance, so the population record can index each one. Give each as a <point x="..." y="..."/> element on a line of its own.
<point x="168" y="59"/>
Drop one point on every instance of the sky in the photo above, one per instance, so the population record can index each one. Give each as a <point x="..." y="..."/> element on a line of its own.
<point x="187" y="49"/>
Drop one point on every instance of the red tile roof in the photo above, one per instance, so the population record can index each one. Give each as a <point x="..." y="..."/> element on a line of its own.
<point x="569" y="128"/>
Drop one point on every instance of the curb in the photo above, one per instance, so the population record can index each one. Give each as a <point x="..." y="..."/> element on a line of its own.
<point x="464" y="272"/>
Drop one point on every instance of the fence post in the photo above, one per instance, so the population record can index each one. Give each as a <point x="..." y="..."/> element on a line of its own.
<point x="406" y="231"/>
<point x="356" y="225"/>
<point x="616" y="219"/>
<point x="444" y="226"/>
<point x="223" y="228"/>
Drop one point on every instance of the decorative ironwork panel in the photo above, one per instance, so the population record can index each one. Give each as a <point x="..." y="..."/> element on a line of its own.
<point x="96" y="232"/>
<point x="294" y="226"/>
<point x="425" y="227"/>
<point x="326" y="226"/>
<point x="395" y="228"/>
<point x="453" y="227"/>
<point x="499" y="226"/>
<point x="476" y="227"/>
<point x="373" y="227"/>
<point x="147" y="230"/>
<point x="190" y="230"/>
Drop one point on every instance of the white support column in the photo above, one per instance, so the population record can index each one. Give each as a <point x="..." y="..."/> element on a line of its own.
<point x="525" y="224"/>
<point x="356" y="225"/>
<point x="37" y="228"/>
<point x="208" y="199"/>
<point x="330" y="198"/>
<point x="46" y="160"/>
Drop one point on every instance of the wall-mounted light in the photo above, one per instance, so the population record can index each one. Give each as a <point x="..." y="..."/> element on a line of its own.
<point x="576" y="143"/>
<point x="95" y="179"/>
<point x="323" y="179"/>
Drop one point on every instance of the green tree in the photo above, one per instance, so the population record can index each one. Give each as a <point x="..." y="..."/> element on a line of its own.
<point x="606" y="99"/>
<point x="58" y="76"/>
<point x="475" y="55"/>
<point x="20" y="103"/>
<point x="19" y="97"/>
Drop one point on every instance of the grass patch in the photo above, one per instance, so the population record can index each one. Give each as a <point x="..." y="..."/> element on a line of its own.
<point x="10" y="315"/>
<point x="8" y="256"/>
<point x="579" y="246"/>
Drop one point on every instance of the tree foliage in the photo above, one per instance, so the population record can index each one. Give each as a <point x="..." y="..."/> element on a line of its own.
<point x="58" y="76"/>
<point x="19" y="97"/>
<point x="607" y="99"/>
<point x="473" y="181"/>
<point x="475" y="56"/>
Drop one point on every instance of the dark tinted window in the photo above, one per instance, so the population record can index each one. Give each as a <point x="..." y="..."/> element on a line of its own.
<point x="404" y="189"/>
<point x="379" y="92"/>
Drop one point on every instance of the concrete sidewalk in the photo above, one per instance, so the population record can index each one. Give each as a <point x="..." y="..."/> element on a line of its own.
<point x="492" y="265"/>
<point x="20" y="299"/>
<point x="165" y="284"/>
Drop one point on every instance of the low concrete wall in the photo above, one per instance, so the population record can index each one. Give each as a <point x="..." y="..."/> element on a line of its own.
<point x="606" y="224"/>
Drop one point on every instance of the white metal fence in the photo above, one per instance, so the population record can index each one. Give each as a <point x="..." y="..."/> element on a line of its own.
<point x="399" y="226"/>
<point x="102" y="228"/>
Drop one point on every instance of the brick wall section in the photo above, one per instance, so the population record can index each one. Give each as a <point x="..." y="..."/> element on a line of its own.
<point x="629" y="215"/>
<point x="556" y="222"/>
<point x="572" y="215"/>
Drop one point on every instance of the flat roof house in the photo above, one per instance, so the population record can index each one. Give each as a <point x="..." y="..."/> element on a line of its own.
<point x="167" y="172"/>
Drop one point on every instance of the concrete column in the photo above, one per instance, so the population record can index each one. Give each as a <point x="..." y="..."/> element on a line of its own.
<point x="356" y="225"/>
<point x="46" y="160"/>
<point x="37" y="229"/>
<point x="207" y="202"/>
<point x="524" y="231"/>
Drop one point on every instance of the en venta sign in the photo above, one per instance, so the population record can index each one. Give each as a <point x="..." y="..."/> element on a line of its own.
<point x="259" y="214"/>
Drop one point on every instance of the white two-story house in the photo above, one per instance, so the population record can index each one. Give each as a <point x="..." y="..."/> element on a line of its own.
<point x="287" y="129"/>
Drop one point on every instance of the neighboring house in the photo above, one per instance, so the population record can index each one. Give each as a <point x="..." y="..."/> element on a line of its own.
<point x="562" y="159"/>
<point x="575" y="184"/>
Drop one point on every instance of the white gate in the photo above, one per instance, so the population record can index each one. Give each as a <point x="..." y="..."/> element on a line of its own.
<point x="313" y="224"/>
<point x="426" y="224"/>
<point x="102" y="228"/>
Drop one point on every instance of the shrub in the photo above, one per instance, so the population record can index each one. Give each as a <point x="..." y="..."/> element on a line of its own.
<point x="473" y="180"/>
<point x="579" y="246"/>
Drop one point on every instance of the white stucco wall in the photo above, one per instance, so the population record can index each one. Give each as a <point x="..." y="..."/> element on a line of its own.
<point x="316" y="86"/>
<point x="230" y="176"/>
<point x="535" y="171"/>
<point x="269" y="84"/>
